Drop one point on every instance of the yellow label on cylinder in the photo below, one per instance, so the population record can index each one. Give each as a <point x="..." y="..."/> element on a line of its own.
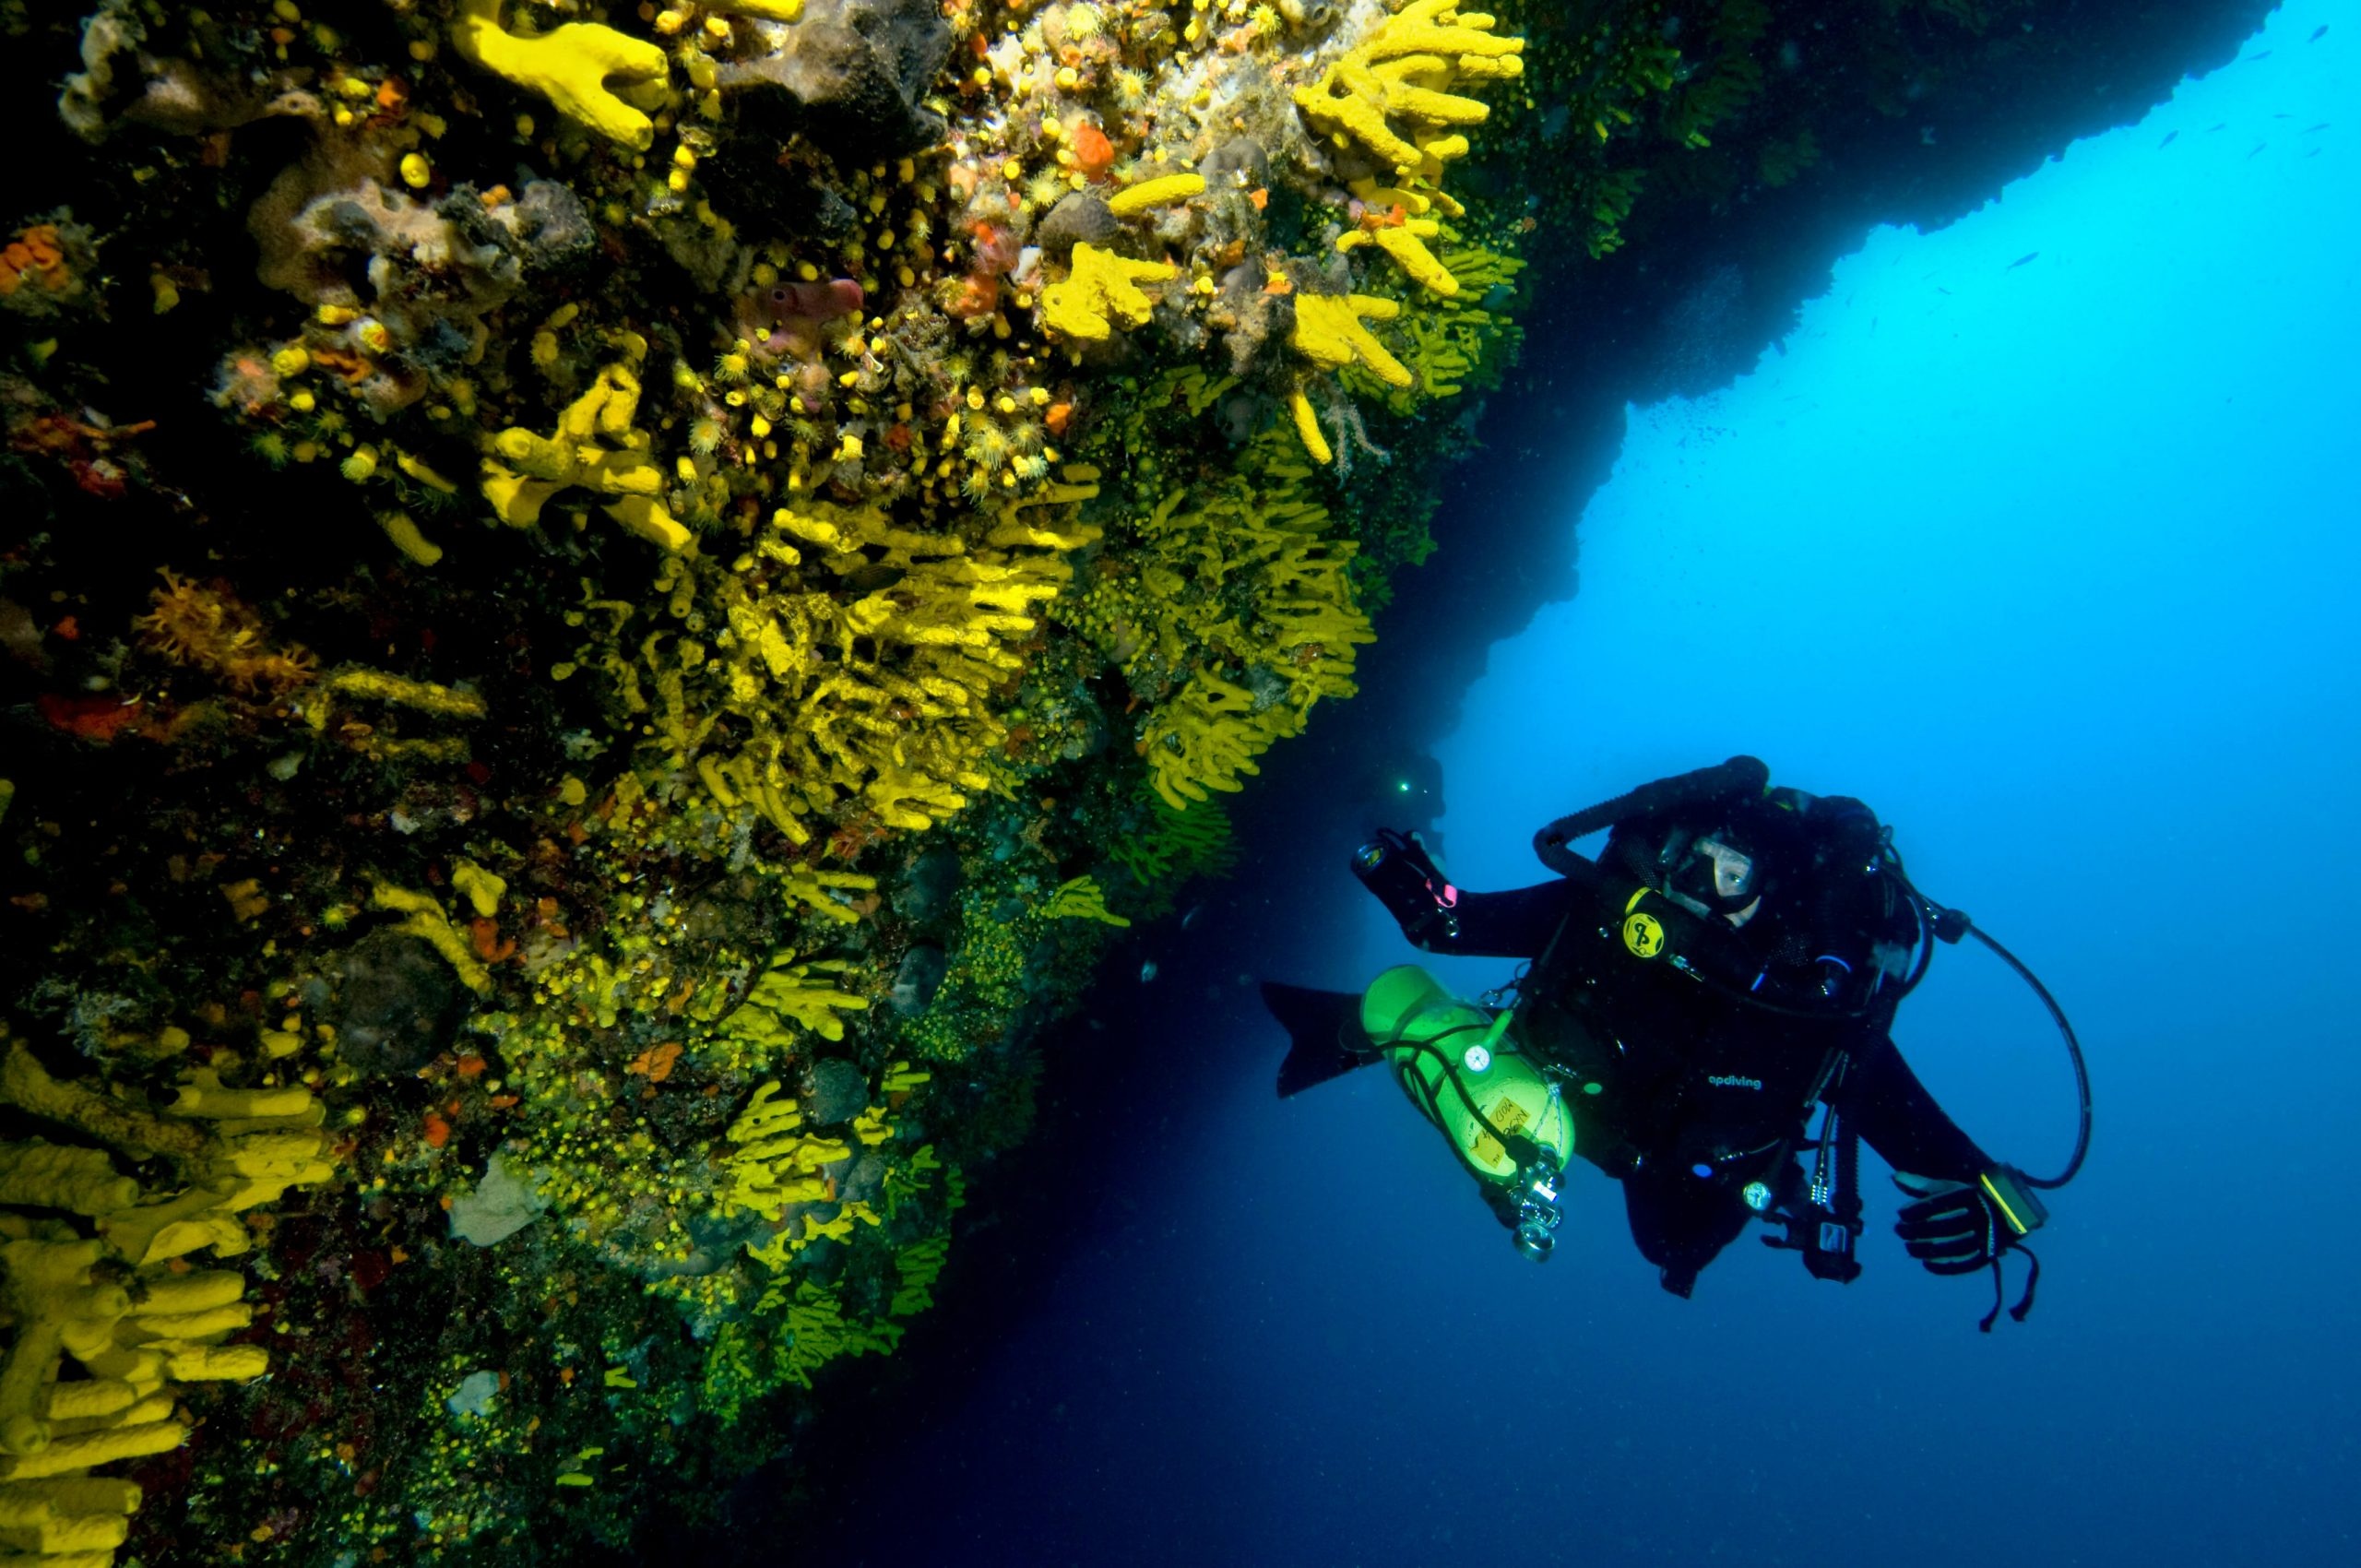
<point x="1644" y="934"/>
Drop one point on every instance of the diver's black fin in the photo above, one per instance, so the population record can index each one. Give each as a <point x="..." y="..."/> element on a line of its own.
<point x="1325" y="1027"/>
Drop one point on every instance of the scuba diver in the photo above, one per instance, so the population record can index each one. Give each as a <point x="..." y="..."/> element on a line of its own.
<point x="1731" y="962"/>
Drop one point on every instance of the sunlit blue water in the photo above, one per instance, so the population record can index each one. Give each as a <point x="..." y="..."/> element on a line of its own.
<point x="2055" y="565"/>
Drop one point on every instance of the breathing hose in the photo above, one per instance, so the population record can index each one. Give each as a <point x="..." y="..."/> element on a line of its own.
<point x="2073" y="1050"/>
<point x="1948" y="925"/>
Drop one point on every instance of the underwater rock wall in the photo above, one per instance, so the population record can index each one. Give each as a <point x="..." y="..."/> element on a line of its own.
<point x="603" y="610"/>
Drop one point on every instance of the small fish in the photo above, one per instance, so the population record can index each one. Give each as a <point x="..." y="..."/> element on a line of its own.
<point x="789" y="317"/>
<point x="1191" y="918"/>
<point x="2216" y="126"/>
<point x="2317" y="33"/>
<point x="1148" y="971"/>
<point x="1940" y="290"/>
<point x="2029" y="256"/>
<point x="2257" y="148"/>
<point x="2308" y="130"/>
<point x="2167" y="141"/>
<point x="2264" y="56"/>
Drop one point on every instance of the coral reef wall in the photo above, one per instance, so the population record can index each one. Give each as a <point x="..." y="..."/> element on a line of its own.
<point x="603" y="610"/>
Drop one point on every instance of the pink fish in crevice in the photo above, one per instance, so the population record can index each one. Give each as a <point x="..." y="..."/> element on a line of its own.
<point x="787" y="318"/>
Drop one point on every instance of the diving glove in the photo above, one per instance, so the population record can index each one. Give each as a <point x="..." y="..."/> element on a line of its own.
<point x="1962" y="1227"/>
<point x="1959" y="1227"/>
<point x="1396" y="867"/>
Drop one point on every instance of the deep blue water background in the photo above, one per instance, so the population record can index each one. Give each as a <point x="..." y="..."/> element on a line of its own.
<point x="2056" y="565"/>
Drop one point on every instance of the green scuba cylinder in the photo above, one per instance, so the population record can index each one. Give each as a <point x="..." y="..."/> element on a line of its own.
<point x="1502" y="1115"/>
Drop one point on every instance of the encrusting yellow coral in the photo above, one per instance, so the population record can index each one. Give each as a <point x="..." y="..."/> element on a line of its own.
<point x="570" y="65"/>
<point x="529" y="467"/>
<point x="424" y="695"/>
<point x="1102" y="289"/>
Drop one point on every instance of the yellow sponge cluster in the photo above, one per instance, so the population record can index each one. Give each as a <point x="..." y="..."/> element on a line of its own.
<point x="1253" y="611"/>
<point x="594" y="448"/>
<point x="885" y="699"/>
<point x="776" y="1164"/>
<point x="1102" y="289"/>
<point x="791" y="998"/>
<point x="97" y="1273"/>
<point x="1401" y="76"/>
<point x="1392" y="95"/>
<point x="1082" y="899"/>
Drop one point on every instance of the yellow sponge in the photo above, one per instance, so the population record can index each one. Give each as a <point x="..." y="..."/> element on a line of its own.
<point x="569" y="65"/>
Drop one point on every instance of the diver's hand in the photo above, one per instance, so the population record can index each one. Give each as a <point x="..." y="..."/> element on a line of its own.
<point x="1958" y="1228"/>
<point x="1396" y="868"/>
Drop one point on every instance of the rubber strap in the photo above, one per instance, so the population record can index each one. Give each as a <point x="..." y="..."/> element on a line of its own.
<point x="1740" y="777"/>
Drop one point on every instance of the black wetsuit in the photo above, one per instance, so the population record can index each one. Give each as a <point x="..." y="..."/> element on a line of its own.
<point x="1697" y="1092"/>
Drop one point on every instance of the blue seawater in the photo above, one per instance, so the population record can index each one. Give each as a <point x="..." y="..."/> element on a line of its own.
<point x="2057" y="565"/>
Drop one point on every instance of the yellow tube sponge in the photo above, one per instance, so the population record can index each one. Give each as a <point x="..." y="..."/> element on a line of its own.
<point x="84" y="1450"/>
<point x="793" y="991"/>
<point x="26" y="1084"/>
<point x="902" y="1078"/>
<point x="594" y="448"/>
<point x="1407" y="243"/>
<point x="569" y="65"/>
<point x="1082" y="899"/>
<point x="1400" y="76"/>
<point x="443" y="702"/>
<point x="429" y="924"/>
<point x="47" y="1288"/>
<point x="1307" y="427"/>
<point x="1162" y="191"/>
<point x="201" y="1094"/>
<point x="260" y="1165"/>
<point x="776" y="1164"/>
<point x="482" y="890"/>
<point x="814" y="888"/>
<point x="159" y="1233"/>
<point x="1329" y="333"/>
<point x="79" y="1180"/>
<point x="1102" y="289"/>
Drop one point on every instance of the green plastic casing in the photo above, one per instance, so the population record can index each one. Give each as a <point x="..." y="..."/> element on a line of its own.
<point x="1454" y="1059"/>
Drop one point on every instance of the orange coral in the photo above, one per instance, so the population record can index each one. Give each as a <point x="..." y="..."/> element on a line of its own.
<point x="36" y="255"/>
<point x="1093" y="154"/>
<point x="208" y="628"/>
<point x="656" y="1061"/>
